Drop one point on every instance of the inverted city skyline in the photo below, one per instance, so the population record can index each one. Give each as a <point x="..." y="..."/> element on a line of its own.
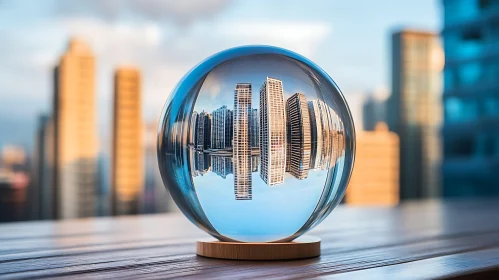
<point x="293" y="136"/>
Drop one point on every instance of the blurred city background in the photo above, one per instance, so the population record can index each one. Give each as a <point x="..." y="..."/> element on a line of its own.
<point x="82" y="84"/>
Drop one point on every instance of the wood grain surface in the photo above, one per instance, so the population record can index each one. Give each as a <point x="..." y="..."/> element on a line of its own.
<point x="417" y="240"/>
<point x="304" y="247"/>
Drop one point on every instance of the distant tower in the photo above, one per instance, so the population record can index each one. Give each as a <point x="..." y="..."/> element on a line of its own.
<point x="242" y="142"/>
<point x="127" y="176"/>
<point x="155" y="198"/>
<point x="374" y="109"/>
<point x="316" y="134"/>
<point x="43" y="169"/>
<point x="193" y="129"/>
<point x="299" y="140"/>
<point x="415" y="110"/>
<point x="221" y="128"/>
<point x="327" y="133"/>
<point x="470" y="135"/>
<point x="222" y="166"/>
<point x="254" y="128"/>
<point x="75" y="140"/>
<point x="272" y="132"/>
<point x="202" y="162"/>
<point x="375" y="178"/>
<point x="203" y="132"/>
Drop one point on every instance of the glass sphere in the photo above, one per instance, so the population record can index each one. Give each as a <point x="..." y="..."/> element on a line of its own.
<point x="256" y="144"/>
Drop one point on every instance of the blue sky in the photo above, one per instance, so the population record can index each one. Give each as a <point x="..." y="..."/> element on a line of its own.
<point x="348" y="39"/>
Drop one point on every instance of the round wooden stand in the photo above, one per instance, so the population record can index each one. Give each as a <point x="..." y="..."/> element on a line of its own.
<point x="301" y="248"/>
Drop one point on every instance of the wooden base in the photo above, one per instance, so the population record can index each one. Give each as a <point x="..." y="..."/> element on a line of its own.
<point x="301" y="248"/>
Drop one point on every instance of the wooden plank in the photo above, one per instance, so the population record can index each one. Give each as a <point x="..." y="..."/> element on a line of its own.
<point x="482" y="264"/>
<point x="163" y="246"/>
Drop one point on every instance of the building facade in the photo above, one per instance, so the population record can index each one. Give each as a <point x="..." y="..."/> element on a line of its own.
<point x="242" y="142"/>
<point x="374" y="109"/>
<point x="203" y="131"/>
<point x="222" y="166"/>
<point x="156" y="198"/>
<point x="299" y="139"/>
<point x="221" y="128"/>
<point x="75" y="138"/>
<point x="255" y="128"/>
<point x="43" y="167"/>
<point x="127" y="172"/>
<point x="375" y="178"/>
<point x="415" y="110"/>
<point x="192" y="129"/>
<point x="316" y="134"/>
<point x="471" y="98"/>
<point x="272" y="132"/>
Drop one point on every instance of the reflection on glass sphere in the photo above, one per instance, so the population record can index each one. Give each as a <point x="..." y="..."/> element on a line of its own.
<point x="256" y="144"/>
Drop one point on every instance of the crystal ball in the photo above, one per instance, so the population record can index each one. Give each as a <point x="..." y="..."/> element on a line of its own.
<point x="256" y="144"/>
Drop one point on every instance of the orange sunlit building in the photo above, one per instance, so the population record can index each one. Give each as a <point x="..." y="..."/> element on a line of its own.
<point x="127" y="174"/>
<point x="75" y="137"/>
<point x="375" y="178"/>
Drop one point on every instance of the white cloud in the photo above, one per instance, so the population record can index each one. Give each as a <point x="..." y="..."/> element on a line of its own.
<point x="182" y="13"/>
<point x="302" y="37"/>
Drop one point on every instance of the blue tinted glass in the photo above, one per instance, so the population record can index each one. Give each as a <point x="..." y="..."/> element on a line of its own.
<point x="457" y="110"/>
<point x="470" y="73"/>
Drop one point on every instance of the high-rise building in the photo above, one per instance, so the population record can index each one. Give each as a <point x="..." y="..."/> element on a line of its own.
<point x="316" y="134"/>
<point x="414" y="110"/>
<point x="272" y="132"/>
<point x="203" y="131"/>
<point x="193" y="129"/>
<point x="337" y="138"/>
<point x="374" y="109"/>
<point x="13" y="157"/>
<point x="327" y="139"/>
<point x="127" y="173"/>
<point x="75" y="138"/>
<point x="221" y="128"/>
<point x="255" y="161"/>
<point x="242" y="142"/>
<point x="254" y="128"/>
<point x="375" y="178"/>
<point x="203" y="162"/>
<point x="471" y="98"/>
<point x="156" y="198"/>
<point x="329" y="121"/>
<point x="43" y="167"/>
<point x="13" y="195"/>
<point x="222" y="166"/>
<point x="299" y="139"/>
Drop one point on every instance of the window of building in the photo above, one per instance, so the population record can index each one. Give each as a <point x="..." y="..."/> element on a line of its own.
<point x="459" y="110"/>
<point x="470" y="73"/>
<point x="491" y="106"/>
<point x="458" y="147"/>
<point x="484" y="4"/>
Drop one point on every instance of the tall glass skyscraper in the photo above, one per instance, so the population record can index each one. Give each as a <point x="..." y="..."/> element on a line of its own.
<point x="242" y="142"/>
<point x="299" y="139"/>
<point x="414" y="110"/>
<point x="316" y="134"/>
<point x="254" y="128"/>
<point x="203" y="132"/>
<point x="221" y="128"/>
<point x="272" y="132"/>
<point x="471" y="98"/>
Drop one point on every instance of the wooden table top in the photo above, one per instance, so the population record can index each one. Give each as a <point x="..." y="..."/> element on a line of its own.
<point x="416" y="240"/>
